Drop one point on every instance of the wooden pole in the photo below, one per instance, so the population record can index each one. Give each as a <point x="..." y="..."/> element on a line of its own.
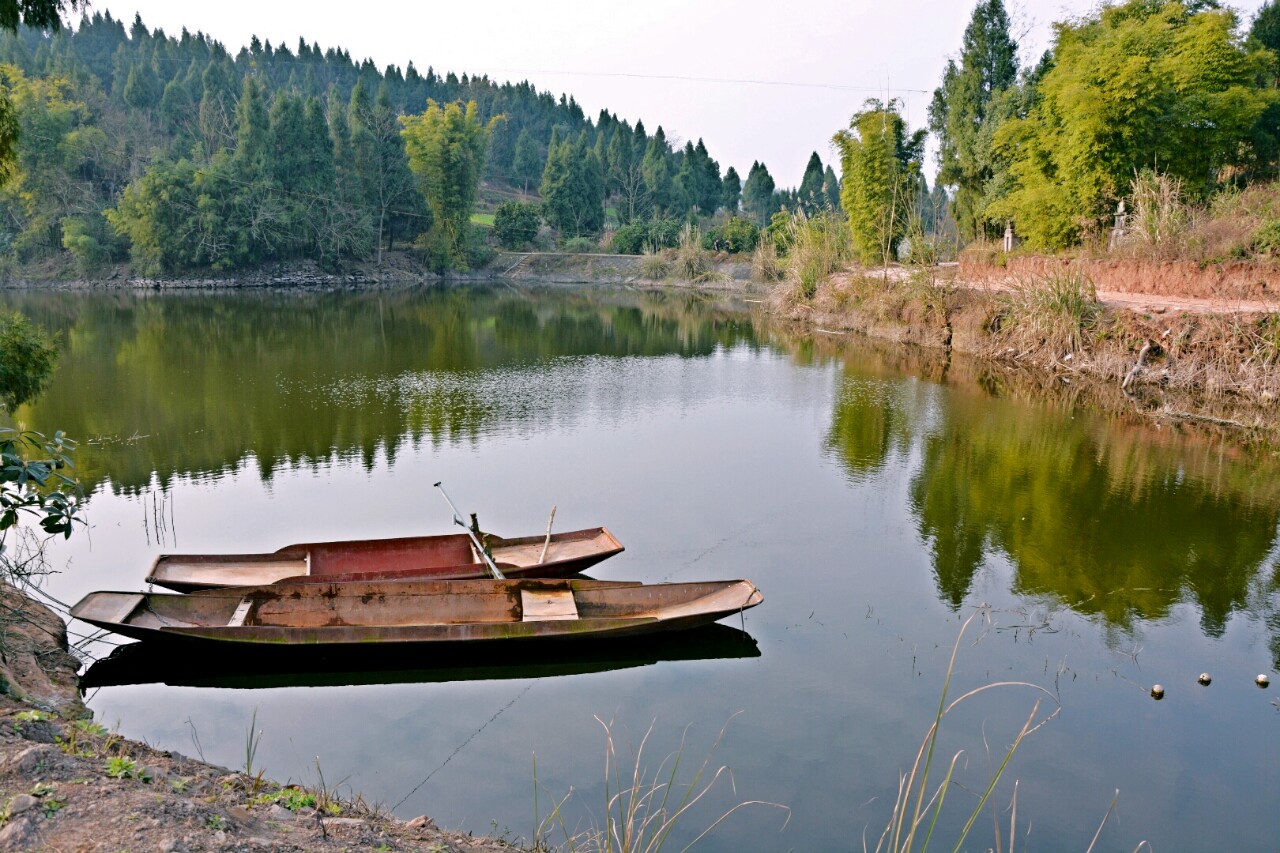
<point x="547" y="543"/>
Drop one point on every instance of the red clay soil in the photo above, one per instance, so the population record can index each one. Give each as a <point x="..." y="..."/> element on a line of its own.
<point x="1227" y="288"/>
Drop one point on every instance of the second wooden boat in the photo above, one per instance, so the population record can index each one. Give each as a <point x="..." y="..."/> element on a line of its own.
<point x="397" y="612"/>
<point x="451" y="556"/>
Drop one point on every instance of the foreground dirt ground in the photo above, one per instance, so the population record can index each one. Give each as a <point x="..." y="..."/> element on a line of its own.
<point x="68" y="784"/>
<point x="73" y="786"/>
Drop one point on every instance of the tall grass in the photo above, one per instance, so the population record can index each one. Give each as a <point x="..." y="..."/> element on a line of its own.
<point x="766" y="267"/>
<point x="1058" y="312"/>
<point x="919" y="803"/>
<point x="642" y="808"/>
<point x="1160" y="214"/>
<point x="693" y="262"/>
<point x="653" y="265"/>
<point x="820" y="245"/>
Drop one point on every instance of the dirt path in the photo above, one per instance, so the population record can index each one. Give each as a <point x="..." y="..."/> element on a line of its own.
<point x="1144" y="303"/>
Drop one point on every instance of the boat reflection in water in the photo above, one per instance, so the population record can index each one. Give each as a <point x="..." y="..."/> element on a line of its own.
<point x="251" y="668"/>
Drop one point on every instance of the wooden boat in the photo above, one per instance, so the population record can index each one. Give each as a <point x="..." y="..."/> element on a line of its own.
<point x="256" y="667"/>
<point x="450" y="556"/>
<point x="417" y="611"/>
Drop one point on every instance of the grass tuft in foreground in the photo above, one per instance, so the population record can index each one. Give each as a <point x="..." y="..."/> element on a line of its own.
<point x="642" y="809"/>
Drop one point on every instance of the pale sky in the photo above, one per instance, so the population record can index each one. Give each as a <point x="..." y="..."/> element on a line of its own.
<point x="768" y="81"/>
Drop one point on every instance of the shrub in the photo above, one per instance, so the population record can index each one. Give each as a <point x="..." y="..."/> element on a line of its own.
<point x="637" y="237"/>
<point x="735" y="235"/>
<point x="580" y="245"/>
<point x="515" y="224"/>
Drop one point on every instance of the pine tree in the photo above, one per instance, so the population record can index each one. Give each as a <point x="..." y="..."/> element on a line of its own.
<point x="961" y="108"/>
<point x="528" y="162"/>
<point x="811" y="197"/>
<point x="757" y="194"/>
<point x="731" y="190"/>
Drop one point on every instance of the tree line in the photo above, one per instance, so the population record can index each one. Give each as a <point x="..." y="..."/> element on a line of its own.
<point x="171" y="151"/>
<point x="1173" y="87"/>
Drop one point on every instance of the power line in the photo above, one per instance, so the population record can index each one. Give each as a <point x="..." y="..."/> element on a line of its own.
<point x="840" y="87"/>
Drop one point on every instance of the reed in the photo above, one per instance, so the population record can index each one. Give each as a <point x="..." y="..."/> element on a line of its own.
<point x="765" y="265"/>
<point x="654" y="265"/>
<point x="642" y="809"/>
<point x="919" y="803"/>
<point x="693" y="262"/>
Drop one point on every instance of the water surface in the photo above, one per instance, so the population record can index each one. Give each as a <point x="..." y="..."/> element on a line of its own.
<point x="876" y="496"/>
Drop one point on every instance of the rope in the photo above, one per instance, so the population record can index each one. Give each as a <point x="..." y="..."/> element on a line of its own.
<point x="463" y="745"/>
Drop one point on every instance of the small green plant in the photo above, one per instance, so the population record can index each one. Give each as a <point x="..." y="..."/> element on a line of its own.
<point x="251" y="741"/>
<point x="87" y="739"/>
<point x="52" y="805"/>
<point x="327" y="797"/>
<point x="178" y="785"/>
<point x="216" y="822"/>
<point x="32" y="716"/>
<point x="292" y="798"/>
<point x="123" y="767"/>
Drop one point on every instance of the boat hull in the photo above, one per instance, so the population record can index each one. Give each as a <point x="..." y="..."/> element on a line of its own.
<point x="416" y="612"/>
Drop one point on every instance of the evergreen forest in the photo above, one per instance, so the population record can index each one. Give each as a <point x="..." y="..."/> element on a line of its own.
<point x="172" y="153"/>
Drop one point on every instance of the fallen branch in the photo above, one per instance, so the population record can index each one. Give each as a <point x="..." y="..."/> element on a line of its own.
<point x="1137" y="368"/>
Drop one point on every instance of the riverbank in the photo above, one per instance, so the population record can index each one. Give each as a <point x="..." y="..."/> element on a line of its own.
<point x="68" y="783"/>
<point x="396" y="267"/>
<point x="1213" y="362"/>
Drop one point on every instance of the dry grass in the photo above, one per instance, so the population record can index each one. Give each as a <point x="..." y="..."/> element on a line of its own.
<point x="642" y="808"/>
<point x="1058" y="313"/>
<point x="919" y="804"/>
<point x="1233" y="226"/>
<point x="654" y="265"/>
<point x="766" y="267"/>
<point x="693" y="263"/>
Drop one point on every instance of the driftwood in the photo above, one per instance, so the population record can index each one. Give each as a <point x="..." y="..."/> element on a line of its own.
<point x="1137" y="367"/>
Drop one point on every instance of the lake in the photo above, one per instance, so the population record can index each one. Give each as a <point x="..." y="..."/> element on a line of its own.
<point x="878" y="496"/>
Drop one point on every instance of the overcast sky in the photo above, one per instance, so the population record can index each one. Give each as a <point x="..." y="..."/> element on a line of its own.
<point x="768" y="81"/>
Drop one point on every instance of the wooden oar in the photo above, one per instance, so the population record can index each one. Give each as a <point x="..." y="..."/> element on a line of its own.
<point x="484" y="555"/>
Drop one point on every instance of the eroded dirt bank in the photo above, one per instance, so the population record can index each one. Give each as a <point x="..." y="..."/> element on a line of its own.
<point x="1221" y="366"/>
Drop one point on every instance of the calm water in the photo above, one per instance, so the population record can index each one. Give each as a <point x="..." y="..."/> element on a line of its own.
<point x="876" y="497"/>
